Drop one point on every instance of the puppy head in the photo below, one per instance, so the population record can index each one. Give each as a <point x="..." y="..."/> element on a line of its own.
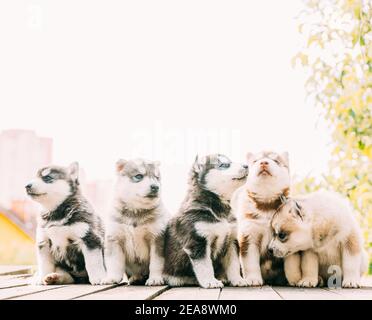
<point x="291" y="232"/>
<point x="268" y="173"/>
<point x="54" y="184"/>
<point x="138" y="183"/>
<point x="218" y="174"/>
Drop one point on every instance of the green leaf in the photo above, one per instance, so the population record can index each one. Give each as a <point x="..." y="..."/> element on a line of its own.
<point x="361" y="41"/>
<point x="351" y="113"/>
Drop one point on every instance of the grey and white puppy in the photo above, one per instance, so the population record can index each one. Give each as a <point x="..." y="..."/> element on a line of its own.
<point x="135" y="225"/>
<point x="200" y="242"/>
<point x="69" y="234"/>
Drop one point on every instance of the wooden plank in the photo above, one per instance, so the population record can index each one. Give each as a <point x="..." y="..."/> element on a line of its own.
<point x="291" y="293"/>
<point x="353" y="294"/>
<point x="12" y="270"/>
<point x="14" y="281"/>
<point x="15" y="292"/>
<point x="127" y="293"/>
<point x="367" y="282"/>
<point x="252" y="293"/>
<point x="65" y="292"/>
<point x="189" y="293"/>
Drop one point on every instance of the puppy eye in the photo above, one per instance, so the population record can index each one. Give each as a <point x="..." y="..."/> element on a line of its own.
<point x="48" y="179"/>
<point x="224" y="165"/>
<point x="282" y="236"/>
<point x="138" y="178"/>
<point x="277" y="161"/>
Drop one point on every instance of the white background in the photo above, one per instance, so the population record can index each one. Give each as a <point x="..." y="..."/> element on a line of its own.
<point x="161" y="79"/>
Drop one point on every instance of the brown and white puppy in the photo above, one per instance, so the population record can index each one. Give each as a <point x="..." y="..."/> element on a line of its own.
<point x="316" y="232"/>
<point x="254" y="205"/>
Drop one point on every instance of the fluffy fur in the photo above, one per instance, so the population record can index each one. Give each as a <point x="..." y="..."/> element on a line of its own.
<point x="314" y="232"/>
<point x="69" y="234"/>
<point x="200" y="241"/>
<point x="254" y="205"/>
<point x="135" y="225"/>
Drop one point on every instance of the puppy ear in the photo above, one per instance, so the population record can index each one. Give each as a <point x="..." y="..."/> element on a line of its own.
<point x="196" y="166"/>
<point x="157" y="163"/>
<point x="249" y="156"/>
<point x="298" y="210"/>
<point x="74" y="171"/>
<point x="120" y="164"/>
<point x="285" y="157"/>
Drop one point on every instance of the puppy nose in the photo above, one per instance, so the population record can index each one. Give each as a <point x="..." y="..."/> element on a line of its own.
<point x="29" y="186"/>
<point x="270" y="251"/>
<point x="154" y="188"/>
<point x="264" y="163"/>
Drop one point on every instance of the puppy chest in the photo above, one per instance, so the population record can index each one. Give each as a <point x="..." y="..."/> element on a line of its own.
<point x="217" y="234"/>
<point x="137" y="242"/>
<point x="63" y="237"/>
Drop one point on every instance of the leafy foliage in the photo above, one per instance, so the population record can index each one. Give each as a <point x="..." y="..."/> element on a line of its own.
<point x="337" y="57"/>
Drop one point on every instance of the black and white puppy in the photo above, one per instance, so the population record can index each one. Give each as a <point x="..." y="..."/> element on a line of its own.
<point x="135" y="225"/>
<point x="70" y="235"/>
<point x="201" y="242"/>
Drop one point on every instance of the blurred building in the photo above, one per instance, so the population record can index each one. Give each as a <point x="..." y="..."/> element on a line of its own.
<point x="98" y="193"/>
<point x="22" y="153"/>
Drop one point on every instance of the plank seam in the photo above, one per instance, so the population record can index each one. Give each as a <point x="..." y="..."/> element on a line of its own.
<point x="219" y="294"/>
<point x="94" y="292"/>
<point x="280" y="296"/>
<point x="31" y="293"/>
<point x="158" y="293"/>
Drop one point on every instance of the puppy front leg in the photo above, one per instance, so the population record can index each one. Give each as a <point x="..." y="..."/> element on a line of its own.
<point x="94" y="264"/>
<point x="250" y="260"/>
<point x="45" y="262"/>
<point x="310" y="269"/>
<point x="351" y="262"/>
<point x="115" y="262"/>
<point x="292" y="269"/>
<point x="232" y="267"/>
<point x="156" y="267"/>
<point x="200" y="257"/>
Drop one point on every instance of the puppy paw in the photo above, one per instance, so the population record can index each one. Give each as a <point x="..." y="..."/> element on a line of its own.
<point x="112" y="280"/>
<point x="224" y="281"/>
<point x="238" y="282"/>
<point x="50" y="279"/>
<point x="293" y="280"/>
<point x="254" y="280"/>
<point x="213" y="283"/>
<point x="95" y="281"/>
<point x="308" y="282"/>
<point x="155" y="281"/>
<point x="351" y="283"/>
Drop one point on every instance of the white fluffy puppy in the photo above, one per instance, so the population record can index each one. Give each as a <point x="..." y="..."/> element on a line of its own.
<point x="135" y="225"/>
<point x="315" y="232"/>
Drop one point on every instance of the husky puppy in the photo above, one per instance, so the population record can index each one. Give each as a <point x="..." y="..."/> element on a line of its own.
<point x="135" y="225"/>
<point x="69" y="234"/>
<point x="254" y="205"/>
<point x="315" y="232"/>
<point x="200" y="241"/>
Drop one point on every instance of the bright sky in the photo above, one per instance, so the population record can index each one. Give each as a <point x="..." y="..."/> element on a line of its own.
<point x="161" y="79"/>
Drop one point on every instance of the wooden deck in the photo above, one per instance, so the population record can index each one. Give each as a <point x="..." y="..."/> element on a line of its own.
<point x="14" y="285"/>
